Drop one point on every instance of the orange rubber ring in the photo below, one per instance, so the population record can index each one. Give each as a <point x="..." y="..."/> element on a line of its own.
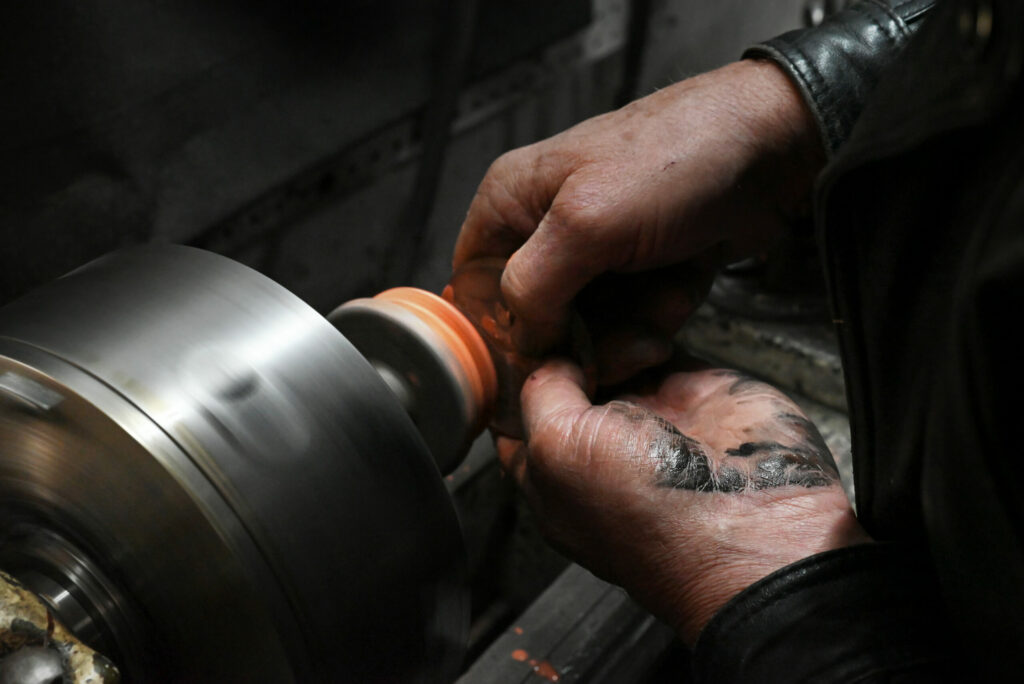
<point x="461" y="338"/>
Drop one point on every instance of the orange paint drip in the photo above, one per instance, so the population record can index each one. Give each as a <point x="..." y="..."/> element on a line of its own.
<point x="503" y="317"/>
<point x="547" y="671"/>
<point x="489" y="325"/>
<point x="517" y="630"/>
<point x="520" y="655"/>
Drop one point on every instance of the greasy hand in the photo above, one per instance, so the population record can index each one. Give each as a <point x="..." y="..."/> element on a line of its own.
<point x="709" y="168"/>
<point x="684" y="494"/>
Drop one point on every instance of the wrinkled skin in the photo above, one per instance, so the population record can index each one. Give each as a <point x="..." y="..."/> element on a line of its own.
<point x="688" y="490"/>
<point x="626" y="215"/>
<point x="684" y="494"/>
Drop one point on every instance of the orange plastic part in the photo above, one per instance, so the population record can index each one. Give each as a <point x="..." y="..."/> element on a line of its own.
<point x="459" y="336"/>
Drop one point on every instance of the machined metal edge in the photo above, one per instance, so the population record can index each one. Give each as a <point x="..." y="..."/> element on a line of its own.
<point x="266" y="622"/>
<point x="155" y="323"/>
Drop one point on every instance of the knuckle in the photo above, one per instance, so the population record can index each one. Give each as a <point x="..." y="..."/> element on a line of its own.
<point x="576" y="218"/>
<point x="512" y="191"/>
<point x="504" y="164"/>
<point x="513" y="165"/>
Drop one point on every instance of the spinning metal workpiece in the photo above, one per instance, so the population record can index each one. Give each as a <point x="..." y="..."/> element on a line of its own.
<point x="450" y="359"/>
<point x="433" y="359"/>
<point x="207" y="482"/>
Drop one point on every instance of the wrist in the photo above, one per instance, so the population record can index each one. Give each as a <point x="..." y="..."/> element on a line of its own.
<point x="745" y="548"/>
<point x="782" y="120"/>
<point x="787" y="152"/>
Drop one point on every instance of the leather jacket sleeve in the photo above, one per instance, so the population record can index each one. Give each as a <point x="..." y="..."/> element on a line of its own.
<point x="795" y="625"/>
<point x="837" y="64"/>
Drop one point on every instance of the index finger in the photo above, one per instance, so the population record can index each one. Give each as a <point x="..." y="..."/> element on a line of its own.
<point x="510" y="202"/>
<point x="543" y="277"/>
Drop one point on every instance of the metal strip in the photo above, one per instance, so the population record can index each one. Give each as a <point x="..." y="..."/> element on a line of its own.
<point x="400" y="141"/>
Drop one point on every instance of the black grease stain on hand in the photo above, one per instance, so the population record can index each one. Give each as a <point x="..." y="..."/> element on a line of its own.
<point x="682" y="462"/>
<point x="783" y="469"/>
<point x="679" y="461"/>
<point x="810" y="439"/>
<point x="731" y="480"/>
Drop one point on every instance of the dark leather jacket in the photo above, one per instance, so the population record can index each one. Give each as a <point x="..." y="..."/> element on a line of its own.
<point x="921" y="220"/>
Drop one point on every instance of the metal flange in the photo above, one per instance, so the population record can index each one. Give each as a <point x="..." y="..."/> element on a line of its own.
<point x="228" y="489"/>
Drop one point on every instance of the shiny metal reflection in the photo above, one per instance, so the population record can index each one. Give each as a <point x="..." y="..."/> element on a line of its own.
<point x="251" y="499"/>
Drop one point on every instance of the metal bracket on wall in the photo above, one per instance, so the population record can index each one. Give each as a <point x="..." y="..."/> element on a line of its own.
<point x="399" y="142"/>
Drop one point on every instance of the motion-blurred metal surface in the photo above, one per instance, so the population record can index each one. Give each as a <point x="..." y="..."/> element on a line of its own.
<point x="215" y="483"/>
<point x="432" y="358"/>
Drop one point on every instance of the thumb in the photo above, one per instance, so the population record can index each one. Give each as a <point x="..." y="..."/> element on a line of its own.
<point x="553" y="402"/>
<point x="579" y="444"/>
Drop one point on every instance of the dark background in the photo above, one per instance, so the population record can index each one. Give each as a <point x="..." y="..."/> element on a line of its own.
<point x="333" y="146"/>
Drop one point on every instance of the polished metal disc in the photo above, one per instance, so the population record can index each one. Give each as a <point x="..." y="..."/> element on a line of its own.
<point x="208" y="478"/>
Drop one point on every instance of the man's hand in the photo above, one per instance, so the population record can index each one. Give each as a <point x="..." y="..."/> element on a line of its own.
<point x="684" y="494"/>
<point x="708" y="169"/>
<point x="687" y="493"/>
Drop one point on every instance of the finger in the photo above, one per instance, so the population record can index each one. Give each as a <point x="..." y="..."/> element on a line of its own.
<point x="486" y="234"/>
<point x="634" y="317"/>
<point x="543" y="277"/>
<point x="512" y="456"/>
<point x="672" y="294"/>
<point x="623" y="353"/>
<point x="509" y="204"/>
<point x="660" y="299"/>
<point x="573" y="443"/>
<point x="552" y="398"/>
